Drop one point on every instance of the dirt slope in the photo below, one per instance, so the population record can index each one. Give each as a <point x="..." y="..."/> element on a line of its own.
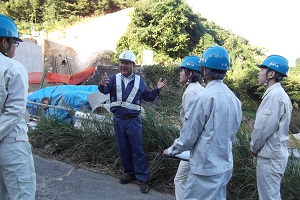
<point x="96" y="35"/>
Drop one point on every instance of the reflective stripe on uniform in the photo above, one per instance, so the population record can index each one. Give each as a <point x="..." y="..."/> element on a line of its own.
<point x="128" y="104"/>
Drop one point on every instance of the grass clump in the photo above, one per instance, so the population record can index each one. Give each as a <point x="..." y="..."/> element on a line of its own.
<point x="93" y="143"/>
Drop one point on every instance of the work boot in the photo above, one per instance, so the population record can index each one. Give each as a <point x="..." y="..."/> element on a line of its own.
<point x="127" y="179"/>
<point x="144" y="187"/>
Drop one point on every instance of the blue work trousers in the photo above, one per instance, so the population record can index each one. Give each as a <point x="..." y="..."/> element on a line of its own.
<point x="128" y="134"/>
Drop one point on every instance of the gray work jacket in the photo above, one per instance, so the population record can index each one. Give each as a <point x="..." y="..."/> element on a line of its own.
<point x="190" y="92"/>
<point x="13" y="100"/>
<point x="213" y="118"/>
<point x="271" y="127"/>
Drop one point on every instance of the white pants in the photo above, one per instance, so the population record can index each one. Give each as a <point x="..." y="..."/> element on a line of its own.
<point x="17" y="172"/>
<point x="180" y="179"/>
<point x="269" y="173"/>
<point x="200" y="187"/>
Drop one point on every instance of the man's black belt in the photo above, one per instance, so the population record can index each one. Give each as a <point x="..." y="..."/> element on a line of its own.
<point x="125" y="117"/>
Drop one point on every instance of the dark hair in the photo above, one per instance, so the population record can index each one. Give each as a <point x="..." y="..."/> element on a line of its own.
<point x="195" y="74"/>
<point x="216" y="74"/>
<point x="2" y="50"/>
<point x="278" y="76"/>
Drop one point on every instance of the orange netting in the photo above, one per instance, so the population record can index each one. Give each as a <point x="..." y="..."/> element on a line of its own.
<point x="81" y="76"/>
<point x="76" y="78"/>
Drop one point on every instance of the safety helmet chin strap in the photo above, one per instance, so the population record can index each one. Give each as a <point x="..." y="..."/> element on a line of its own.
<point x="213" y="74"/>
<point x="187" y="73"/>
<point x="202" y="75"/>
<point x="278" y="77"/>
<point x="268" y="79"/>
<point x="190" y="78"/>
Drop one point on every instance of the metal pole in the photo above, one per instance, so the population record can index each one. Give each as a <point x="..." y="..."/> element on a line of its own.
<point x="50" y="106"/>
<point x="43" y="78"/>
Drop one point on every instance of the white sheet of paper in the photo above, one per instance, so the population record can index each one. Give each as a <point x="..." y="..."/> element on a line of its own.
<point x="184" y="155"/>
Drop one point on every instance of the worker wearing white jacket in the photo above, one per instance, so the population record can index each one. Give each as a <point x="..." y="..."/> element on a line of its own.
<point x="271" y="128"/>
<point x="212" y="119"/>
<point x="189" y="75"/>
<point x="17" y="172"/>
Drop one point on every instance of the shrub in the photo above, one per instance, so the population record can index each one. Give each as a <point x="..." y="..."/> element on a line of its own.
<point x="169" y="27"/>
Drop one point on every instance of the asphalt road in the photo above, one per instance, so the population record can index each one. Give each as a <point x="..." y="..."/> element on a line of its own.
<point x="60" y="181"/>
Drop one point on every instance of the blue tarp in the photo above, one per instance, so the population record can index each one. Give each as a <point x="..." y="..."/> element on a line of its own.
<point x="69" y="96"/>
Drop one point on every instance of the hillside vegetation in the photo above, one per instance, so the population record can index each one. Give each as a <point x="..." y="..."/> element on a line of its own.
<point x="172" y="31"/>
<point x="168" y="27"/>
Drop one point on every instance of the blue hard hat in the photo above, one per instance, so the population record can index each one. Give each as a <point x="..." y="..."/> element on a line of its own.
<point x="191" y="62"/>
<point x="215" y="57"/>
<point x="277" y="63"/>
<point x="8" y="28"/>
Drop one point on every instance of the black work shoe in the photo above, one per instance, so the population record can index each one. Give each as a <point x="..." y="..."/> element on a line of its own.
<point x="144" y="187"/>
<point x="127" y="179"/>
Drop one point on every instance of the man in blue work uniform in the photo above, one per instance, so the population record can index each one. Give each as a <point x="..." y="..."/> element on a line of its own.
<point x="126" y="93"/>
<point x="212" y="119"/>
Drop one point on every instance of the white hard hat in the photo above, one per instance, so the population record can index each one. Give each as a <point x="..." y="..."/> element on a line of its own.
<point x="127" y="55"/>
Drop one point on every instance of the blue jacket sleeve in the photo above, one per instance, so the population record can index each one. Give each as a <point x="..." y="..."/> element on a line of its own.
<point x="107" y="89"/>
<point x="148" y="95"/>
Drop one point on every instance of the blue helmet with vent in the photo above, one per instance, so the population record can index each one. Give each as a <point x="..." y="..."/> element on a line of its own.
<point x="216" y="57"/>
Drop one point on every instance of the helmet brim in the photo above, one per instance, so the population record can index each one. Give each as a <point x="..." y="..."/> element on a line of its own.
<point x="261" y="66"/>
<point x="19" y="40"/>
<point x="121" y="59"/>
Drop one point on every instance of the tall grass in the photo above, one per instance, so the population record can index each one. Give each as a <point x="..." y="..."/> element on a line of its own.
<point x="243" y="182"/>
<point x="94" y="143"/>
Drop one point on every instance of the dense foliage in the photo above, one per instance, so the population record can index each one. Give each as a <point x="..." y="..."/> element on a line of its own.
<point x="172" y="30"/>
<point x="169" y="27"/>
<point x="54" y="14"/>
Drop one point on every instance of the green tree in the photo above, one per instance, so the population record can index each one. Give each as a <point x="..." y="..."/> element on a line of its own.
<point x="19" y="10"/>
<point x="296" y="69"/>
<point x="37" y="14"/>
<point x="167" y="26"/>
<point x="298" y="62"/>
<point x="2" y="8"/>
<point x="53" y="11"/>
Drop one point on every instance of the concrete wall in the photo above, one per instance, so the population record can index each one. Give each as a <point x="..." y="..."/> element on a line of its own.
<point x="43" y="54"/>
<point x="30" y="55"/>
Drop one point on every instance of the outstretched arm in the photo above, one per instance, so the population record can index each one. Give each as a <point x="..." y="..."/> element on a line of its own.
<point x="161" y="83"/>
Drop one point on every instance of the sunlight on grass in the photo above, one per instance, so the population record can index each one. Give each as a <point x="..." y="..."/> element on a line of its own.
<point x="93" y="143"/>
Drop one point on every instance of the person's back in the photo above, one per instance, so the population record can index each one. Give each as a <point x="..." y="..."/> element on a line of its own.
<point x="13" y="71"/>
<point x="222" y="116"/>
<point x="213" y="118"/>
